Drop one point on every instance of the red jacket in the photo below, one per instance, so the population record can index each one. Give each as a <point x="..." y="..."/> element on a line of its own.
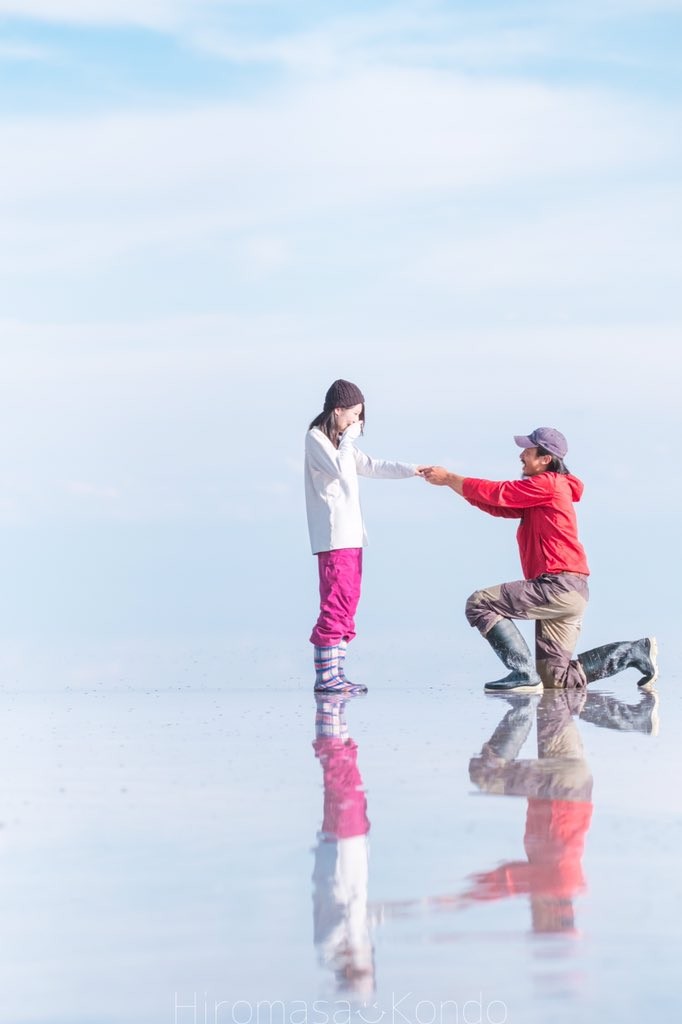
<point x="554" y="841"/>
<point x="548" y="532"/>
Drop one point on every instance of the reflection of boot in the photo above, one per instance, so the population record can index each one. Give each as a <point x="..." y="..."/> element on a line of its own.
<point x="611" y="658"/>
<point x="609" y="713"/>
<point x="330" y="718"/>
<point x="512" y="732"/>
<point x="508" y="644"/>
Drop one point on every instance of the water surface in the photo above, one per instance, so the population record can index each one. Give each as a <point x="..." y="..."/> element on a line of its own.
<point x="182" y="850"/>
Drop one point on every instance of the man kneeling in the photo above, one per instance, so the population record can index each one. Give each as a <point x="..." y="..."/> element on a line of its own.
<point x="554" y="592"/>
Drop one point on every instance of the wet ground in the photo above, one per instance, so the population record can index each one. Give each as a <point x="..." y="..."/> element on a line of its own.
<point x="180" y="847"/>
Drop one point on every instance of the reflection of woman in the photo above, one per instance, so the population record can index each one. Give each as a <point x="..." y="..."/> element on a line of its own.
<point x="340" y="913"/>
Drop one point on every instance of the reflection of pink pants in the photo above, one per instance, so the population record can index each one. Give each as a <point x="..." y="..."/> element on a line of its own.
<point x="345" y="800"/>
<point x="340" y="578"/>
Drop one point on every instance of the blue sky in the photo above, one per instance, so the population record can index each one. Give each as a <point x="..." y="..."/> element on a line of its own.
<point x="75" y="55"/>
<point x="210" y="210"/>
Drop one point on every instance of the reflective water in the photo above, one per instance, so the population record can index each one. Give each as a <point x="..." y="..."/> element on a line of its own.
<point x="200" y="850"/>
<point x="202" y="853"/>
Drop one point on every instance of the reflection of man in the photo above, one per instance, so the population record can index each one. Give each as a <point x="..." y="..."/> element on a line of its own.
<point x="558" y="786"/>
<point x="609" y="713"/>
<point x="554" y="592"/>
<point x="341" y="925"/>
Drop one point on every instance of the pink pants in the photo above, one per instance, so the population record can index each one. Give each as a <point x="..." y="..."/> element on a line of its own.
<point x="340" y="579"/>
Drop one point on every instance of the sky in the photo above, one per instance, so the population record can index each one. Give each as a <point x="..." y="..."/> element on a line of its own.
<point x="211" y="209"/>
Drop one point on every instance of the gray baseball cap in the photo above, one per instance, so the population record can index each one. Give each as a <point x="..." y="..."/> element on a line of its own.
<point x="546" y="437"/>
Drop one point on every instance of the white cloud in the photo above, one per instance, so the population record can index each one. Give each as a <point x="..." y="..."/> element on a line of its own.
<point x="161" y="14"/>
<point x="401" y="38"/>
<point x="87" y="490"/>
<point x="18" y="51"/>
<point x="630" y="237"/>
<point x="612" y="8"/>
<point x="265" y="253"/>
<point x="160" y="420"/>
<point x="78" y="189"/>
<point x="396" y="31"/>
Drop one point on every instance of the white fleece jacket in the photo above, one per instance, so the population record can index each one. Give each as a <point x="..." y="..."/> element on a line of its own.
<point x="332" y="495"/>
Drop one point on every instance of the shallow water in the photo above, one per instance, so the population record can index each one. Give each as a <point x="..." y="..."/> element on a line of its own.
<point x="163" y="856"/>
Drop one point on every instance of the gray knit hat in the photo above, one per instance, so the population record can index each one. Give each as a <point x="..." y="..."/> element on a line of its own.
<point x="343" y="395"/>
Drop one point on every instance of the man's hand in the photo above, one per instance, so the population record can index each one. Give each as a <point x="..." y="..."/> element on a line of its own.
<point x="437" y="475"/>
<point x="441" y="477"/>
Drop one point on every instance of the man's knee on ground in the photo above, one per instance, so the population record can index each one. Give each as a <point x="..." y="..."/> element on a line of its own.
<point x="561" y="674"/>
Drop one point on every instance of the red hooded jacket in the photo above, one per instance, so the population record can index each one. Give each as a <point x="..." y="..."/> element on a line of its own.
<point x="548" y="532"/>
<point x="554" y="841"/>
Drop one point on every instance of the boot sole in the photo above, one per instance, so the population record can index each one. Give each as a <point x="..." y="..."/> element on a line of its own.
<point x="653" y="655"/>
<point x="516" y="688"/>
<point x="654" y="716"/>
<point x="347" y="690"/>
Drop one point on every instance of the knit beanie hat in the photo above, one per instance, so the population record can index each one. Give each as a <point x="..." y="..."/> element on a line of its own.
<point x="343" y="395"/>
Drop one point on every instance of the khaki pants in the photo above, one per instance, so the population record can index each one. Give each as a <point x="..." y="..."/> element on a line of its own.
<point x="556" y="603"/>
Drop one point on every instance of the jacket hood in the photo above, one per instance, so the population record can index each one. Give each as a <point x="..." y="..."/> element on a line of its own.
<point x="576" y="486"/>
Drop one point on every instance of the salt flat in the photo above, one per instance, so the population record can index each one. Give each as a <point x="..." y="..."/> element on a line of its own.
<point x="164" y="858"/>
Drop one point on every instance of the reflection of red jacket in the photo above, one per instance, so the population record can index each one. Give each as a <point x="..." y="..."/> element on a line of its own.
<point x="554" y="842"/>
<point x="548" y="533"/>
<point x="345" y="804"/>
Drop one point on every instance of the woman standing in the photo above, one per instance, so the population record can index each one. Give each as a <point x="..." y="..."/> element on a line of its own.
<point x="337" y="531"/>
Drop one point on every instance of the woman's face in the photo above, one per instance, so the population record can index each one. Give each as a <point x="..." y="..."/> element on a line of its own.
<point x="346" y="417"/>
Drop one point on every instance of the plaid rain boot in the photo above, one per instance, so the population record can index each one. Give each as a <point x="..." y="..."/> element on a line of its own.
<point x="356" y="687"/>
<point x="329" y="677"/>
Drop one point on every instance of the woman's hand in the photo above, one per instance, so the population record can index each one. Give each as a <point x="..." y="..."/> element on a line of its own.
<point x="351" y="432"/>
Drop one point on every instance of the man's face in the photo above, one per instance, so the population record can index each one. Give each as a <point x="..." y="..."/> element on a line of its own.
<point x="533" y="463"/>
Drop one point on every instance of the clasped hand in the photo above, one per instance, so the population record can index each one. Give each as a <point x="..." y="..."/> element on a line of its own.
<point x="437" y="475"/>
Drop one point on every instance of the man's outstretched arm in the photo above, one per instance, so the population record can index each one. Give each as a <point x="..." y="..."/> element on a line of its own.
<point x="442" y="477"/>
